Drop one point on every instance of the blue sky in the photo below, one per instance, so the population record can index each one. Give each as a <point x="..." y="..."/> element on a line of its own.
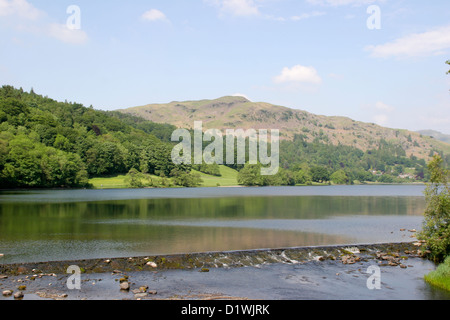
<point x="315" y="55"/>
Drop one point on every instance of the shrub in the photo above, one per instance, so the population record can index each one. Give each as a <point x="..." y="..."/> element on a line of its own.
<point x="436" y="227"/>
<point x="185" y="179"/>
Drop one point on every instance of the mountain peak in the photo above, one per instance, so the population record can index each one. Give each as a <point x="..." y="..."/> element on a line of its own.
<point x="233" y="99"/>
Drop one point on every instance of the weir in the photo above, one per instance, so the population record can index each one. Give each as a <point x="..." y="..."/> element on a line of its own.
<point x="226" y="259"/>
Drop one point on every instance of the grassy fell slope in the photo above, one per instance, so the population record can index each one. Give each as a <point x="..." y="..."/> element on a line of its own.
<point x="240" y="113"/>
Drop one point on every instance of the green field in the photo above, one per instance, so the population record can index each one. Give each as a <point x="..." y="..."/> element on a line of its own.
<point x="228" y="179"/>
<point x="115" y="182"/>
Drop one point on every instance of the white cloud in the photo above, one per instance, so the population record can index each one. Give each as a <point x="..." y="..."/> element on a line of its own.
<point x="336" y="3"/>
<point x="300" y="17"/>
<point x="380" y="112"/>
<point x="251" y="8"/>
<point x="28" y="19"/>
<point x="236" y="7"/>
<point x="308" y="15"/>
<point x="240" y="7"/>
<point x="428" y="43"/>
<point x="383" y="107"/>
<point x="298" y="74"/>
<point x="154" y="15"/>
<point x="381" y="119"/>
<point x="63" y="33"/>
<point x="241" y="95"/>
<point x="19" y="8"/>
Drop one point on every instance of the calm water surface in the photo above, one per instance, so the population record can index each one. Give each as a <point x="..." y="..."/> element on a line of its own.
<point x="38" y="226"/>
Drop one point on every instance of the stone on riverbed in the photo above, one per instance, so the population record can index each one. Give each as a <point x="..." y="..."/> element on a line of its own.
<point x="141" y="295"/>
<point x="7" y="293"/>
<point x="125" y="286"/>
<point x="142" y="289"/>
<point x="350" y="259"/>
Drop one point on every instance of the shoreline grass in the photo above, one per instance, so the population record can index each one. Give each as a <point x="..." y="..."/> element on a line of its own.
<point x="441" y="276"/>
<point x="228" y="178"/>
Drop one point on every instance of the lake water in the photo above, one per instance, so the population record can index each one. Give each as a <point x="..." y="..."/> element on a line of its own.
<point x="39" y="226"/>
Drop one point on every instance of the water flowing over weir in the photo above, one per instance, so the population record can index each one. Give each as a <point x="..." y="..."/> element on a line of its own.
<point x="232" y="259"/>
<point x="307" y="273"/>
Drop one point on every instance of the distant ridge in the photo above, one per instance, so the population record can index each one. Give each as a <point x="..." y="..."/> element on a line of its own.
<point x="436" y="134"/>
<point x="238" y="112"/>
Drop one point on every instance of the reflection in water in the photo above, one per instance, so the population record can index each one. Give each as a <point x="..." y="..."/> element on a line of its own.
<point x="32" y="229"/>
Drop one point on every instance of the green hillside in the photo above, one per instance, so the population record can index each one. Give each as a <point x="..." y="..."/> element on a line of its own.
<point x="49" y="144"/>
<point x="238" y="112"/>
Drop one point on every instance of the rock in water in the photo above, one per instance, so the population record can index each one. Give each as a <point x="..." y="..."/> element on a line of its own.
<point x="125" y="286"/>
<point x="143" y="289"/>
<point x="7" y="293"/>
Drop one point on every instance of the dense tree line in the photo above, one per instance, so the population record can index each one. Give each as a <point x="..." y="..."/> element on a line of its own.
<point x="305" y="162"/>
<point x="45" y="143"/>
<point x="49" y="144"/>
